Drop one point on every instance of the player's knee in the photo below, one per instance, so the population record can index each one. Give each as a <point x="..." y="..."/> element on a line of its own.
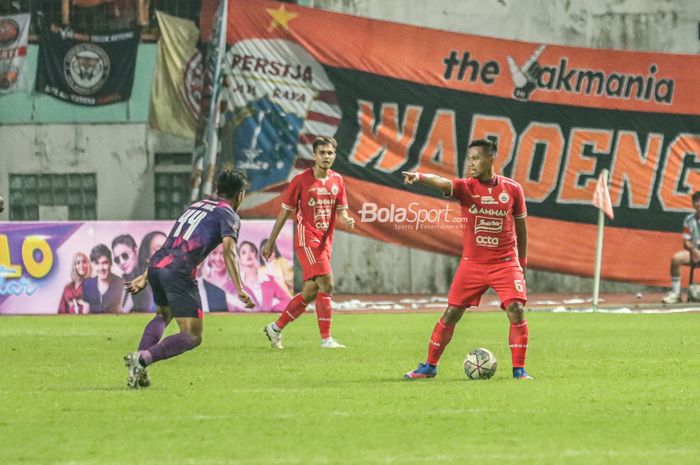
<point x="196" y="339"/>
<point x="326" y="288"/>
<point x="309" y="295"/>
<point x="452" y="315"/>
<point x="515" y="310"/>
<point x="166" y="313"/>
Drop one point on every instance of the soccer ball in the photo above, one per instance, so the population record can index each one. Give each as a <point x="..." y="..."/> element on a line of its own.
<point x="480" y="364"/>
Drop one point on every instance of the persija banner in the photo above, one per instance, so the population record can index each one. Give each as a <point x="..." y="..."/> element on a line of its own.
<point x="398" y="97"/>
<point x="86" y="69"/>
<point x="80" y="268"/>
<point x="14" y="32"/>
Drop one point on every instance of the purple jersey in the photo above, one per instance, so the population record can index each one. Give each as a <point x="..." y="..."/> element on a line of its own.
<point x="200" y="229"/>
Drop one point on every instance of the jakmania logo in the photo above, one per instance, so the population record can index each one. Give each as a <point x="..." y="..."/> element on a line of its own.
<point x="561" y="78"/>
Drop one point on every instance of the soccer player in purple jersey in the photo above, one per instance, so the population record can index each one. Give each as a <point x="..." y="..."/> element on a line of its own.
<point x="171" y="274"/>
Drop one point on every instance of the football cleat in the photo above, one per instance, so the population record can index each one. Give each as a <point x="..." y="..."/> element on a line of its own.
<point x="275" y="337"/>
<point x="144" y="380"/>
<point x="520" y="373"/>
<point x="423" y="371"/>
<point x="131" y="360"/>
<point x="671" y="298"/>
<point x="331" y="343"/>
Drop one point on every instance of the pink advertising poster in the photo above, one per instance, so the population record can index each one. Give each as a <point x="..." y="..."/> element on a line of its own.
<point x="81" y="267"/>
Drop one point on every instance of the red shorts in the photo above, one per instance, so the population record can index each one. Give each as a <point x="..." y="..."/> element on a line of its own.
<point x="473" y="279"/>
<point x="315" y="261"/>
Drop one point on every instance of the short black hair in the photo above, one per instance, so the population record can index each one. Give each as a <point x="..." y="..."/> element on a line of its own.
<point x="696" y="196"/>
<point x="324" y="140"/>
<point x="125" y="239"/>
<point x="100" y="250"/>
<point x="489" y="146"/>
<point x="230" y="182"/>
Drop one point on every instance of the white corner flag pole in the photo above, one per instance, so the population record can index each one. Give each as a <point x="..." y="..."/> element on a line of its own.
<point x="598" y="259"/>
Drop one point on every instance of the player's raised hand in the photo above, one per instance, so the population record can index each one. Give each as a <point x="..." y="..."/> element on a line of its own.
<point x="245" y="298"/>
<point x="410" y="177"/>
<point x="136" y="285"/>
<point x="267" y="250"/>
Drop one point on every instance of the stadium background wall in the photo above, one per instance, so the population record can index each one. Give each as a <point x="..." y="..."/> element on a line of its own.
<point x="41" y="135"/>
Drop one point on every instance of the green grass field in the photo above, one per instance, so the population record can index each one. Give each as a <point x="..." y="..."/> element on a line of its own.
<point x="609" y="389"/>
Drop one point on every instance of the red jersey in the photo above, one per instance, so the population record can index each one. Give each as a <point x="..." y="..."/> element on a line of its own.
<point x="490" y="209"/>
<point x="316" y="202"/>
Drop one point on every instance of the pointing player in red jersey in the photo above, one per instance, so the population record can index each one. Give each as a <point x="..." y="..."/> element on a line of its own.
<point x="494" y="255"/>
<point x="171" y="274"/>
<point x="316" y="195"/>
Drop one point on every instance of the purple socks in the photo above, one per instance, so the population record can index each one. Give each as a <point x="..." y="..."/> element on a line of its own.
<point x="168" y="347"/>
<point x="152" y="333"/>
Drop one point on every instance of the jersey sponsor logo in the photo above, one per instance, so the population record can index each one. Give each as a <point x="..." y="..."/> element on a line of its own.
<point x="484" y="224"/>
<point x="319" y="202"/>
<point x="410" y="215"/>
<point x="503" y="197"/>
<point x="487" y="241"/>
<point x="487" y="211"/>
<point x="488" y="200"/>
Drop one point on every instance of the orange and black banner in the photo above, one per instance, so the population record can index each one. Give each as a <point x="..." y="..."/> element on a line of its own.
<point x="399" y="97"/>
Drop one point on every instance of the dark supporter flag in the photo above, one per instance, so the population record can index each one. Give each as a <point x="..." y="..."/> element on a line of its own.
<point x="399" y="97"/>
<point x="86" y="69"/>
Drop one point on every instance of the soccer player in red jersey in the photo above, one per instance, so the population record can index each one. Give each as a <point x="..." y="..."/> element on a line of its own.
<point x="316" y="195"/>
<point x="494" y="255"/>
<point x="171" y="274"/>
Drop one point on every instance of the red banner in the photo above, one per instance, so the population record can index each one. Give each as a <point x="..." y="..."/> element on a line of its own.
<point x="399" y="97"/>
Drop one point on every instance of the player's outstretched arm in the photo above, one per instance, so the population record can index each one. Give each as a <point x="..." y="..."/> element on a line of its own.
<point x="269" y="246"/>
<point x="231" y="260"/>
<point x="137" y="284"/>
<point x="430" y="180"/>
<point x="521" y="238"/>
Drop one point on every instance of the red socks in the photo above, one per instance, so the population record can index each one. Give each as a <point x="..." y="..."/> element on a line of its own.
<point x="323" y="313"/>
<point x="518" y="343"/>
<point x="295" y="307"/>
<point x="442" y="334"/>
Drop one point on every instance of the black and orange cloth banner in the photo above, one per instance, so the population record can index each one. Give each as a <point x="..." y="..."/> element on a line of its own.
<point x="399" y="97"/>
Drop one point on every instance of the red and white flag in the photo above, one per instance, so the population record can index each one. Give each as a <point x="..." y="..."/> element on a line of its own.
<point x="601" y="196"/>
